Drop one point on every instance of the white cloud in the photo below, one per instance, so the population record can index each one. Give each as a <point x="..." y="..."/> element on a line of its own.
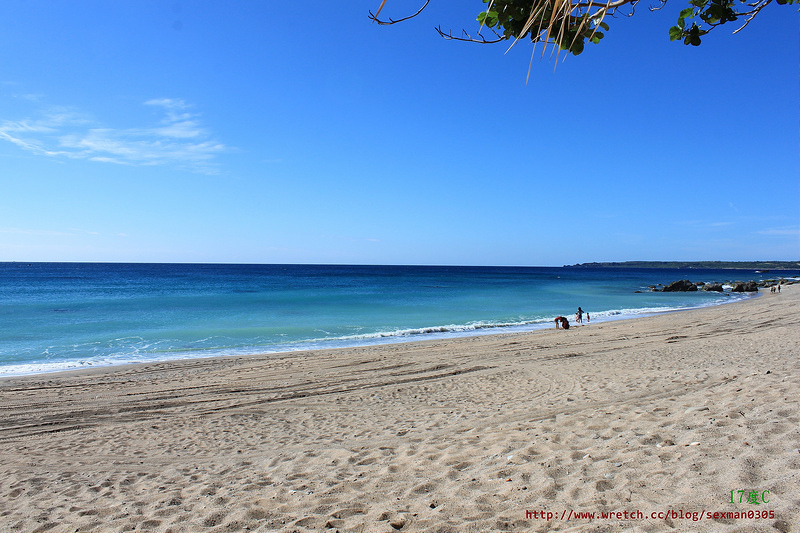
<point x="177" y="139"/>
<point x="169" y="103"/>
<point x="784" y="231"/>
<point x="27" y="126"/>
<point x="187" y="129"/>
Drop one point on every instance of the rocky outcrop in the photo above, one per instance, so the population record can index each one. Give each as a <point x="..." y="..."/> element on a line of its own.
<point x="775" y="282"/>
<point x="750" y="286"/>
<point x="683" y="285"/>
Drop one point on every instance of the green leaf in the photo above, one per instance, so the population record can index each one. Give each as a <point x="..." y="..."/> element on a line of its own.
<point x="675" y="33"/>
<point x="686" y="13"/>
<point x="488" y="18"/>
<point x="603" y="25"/>
<point x="693" y="35"/>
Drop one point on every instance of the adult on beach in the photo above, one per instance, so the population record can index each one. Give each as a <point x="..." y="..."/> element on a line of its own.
<point x="579" y="316"/>
<point x="563" y="322"/>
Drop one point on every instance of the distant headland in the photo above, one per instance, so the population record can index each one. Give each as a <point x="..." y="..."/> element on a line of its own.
<point x="739" y="265"/>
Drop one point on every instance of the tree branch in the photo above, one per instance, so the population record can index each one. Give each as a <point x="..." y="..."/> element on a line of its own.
<point x="389" y="22"/>
<point x="753" y="13"/>
<point x="469" y="38"/>
<point x="659" y="7"/>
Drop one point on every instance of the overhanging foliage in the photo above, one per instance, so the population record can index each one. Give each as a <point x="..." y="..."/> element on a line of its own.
<point x="568" y="24"/>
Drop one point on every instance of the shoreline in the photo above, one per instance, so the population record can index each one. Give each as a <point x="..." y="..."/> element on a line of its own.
<point x="672" y="411"/>
<point x="478" y="330"/>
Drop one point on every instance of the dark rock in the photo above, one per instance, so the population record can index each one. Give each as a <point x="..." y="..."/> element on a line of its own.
<point x="716" y="287"/>
<point x="683" y="285"/>
<point x="749" y="286"/>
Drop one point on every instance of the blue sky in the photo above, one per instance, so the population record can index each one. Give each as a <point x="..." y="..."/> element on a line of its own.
<point x="260" y="132"/>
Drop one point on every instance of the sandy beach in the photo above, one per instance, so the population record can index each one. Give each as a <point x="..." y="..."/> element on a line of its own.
<point x="663" y="421"/>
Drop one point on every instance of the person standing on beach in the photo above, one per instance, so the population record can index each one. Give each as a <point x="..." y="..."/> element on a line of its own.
<point x="579" y="316"/>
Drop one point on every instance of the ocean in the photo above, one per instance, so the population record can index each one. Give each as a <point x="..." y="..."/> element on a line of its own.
<point x="61" y="316"/>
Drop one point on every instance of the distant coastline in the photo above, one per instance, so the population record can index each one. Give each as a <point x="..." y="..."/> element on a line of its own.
<point x="737" y="265"/>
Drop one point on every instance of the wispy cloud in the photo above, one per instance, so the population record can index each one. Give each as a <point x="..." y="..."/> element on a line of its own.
<point x="784" y="231"/>
<point x="178" y="138"/>
<point x="704" y="224"/>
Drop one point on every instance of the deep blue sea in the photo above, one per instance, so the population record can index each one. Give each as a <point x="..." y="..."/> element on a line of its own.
<point x="59" y="316"/>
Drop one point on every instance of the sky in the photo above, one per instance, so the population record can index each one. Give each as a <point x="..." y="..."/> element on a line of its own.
<point x="266" y="132"/>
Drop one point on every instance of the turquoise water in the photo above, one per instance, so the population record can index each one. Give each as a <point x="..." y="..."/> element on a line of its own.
<point x="56" y="316"/>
